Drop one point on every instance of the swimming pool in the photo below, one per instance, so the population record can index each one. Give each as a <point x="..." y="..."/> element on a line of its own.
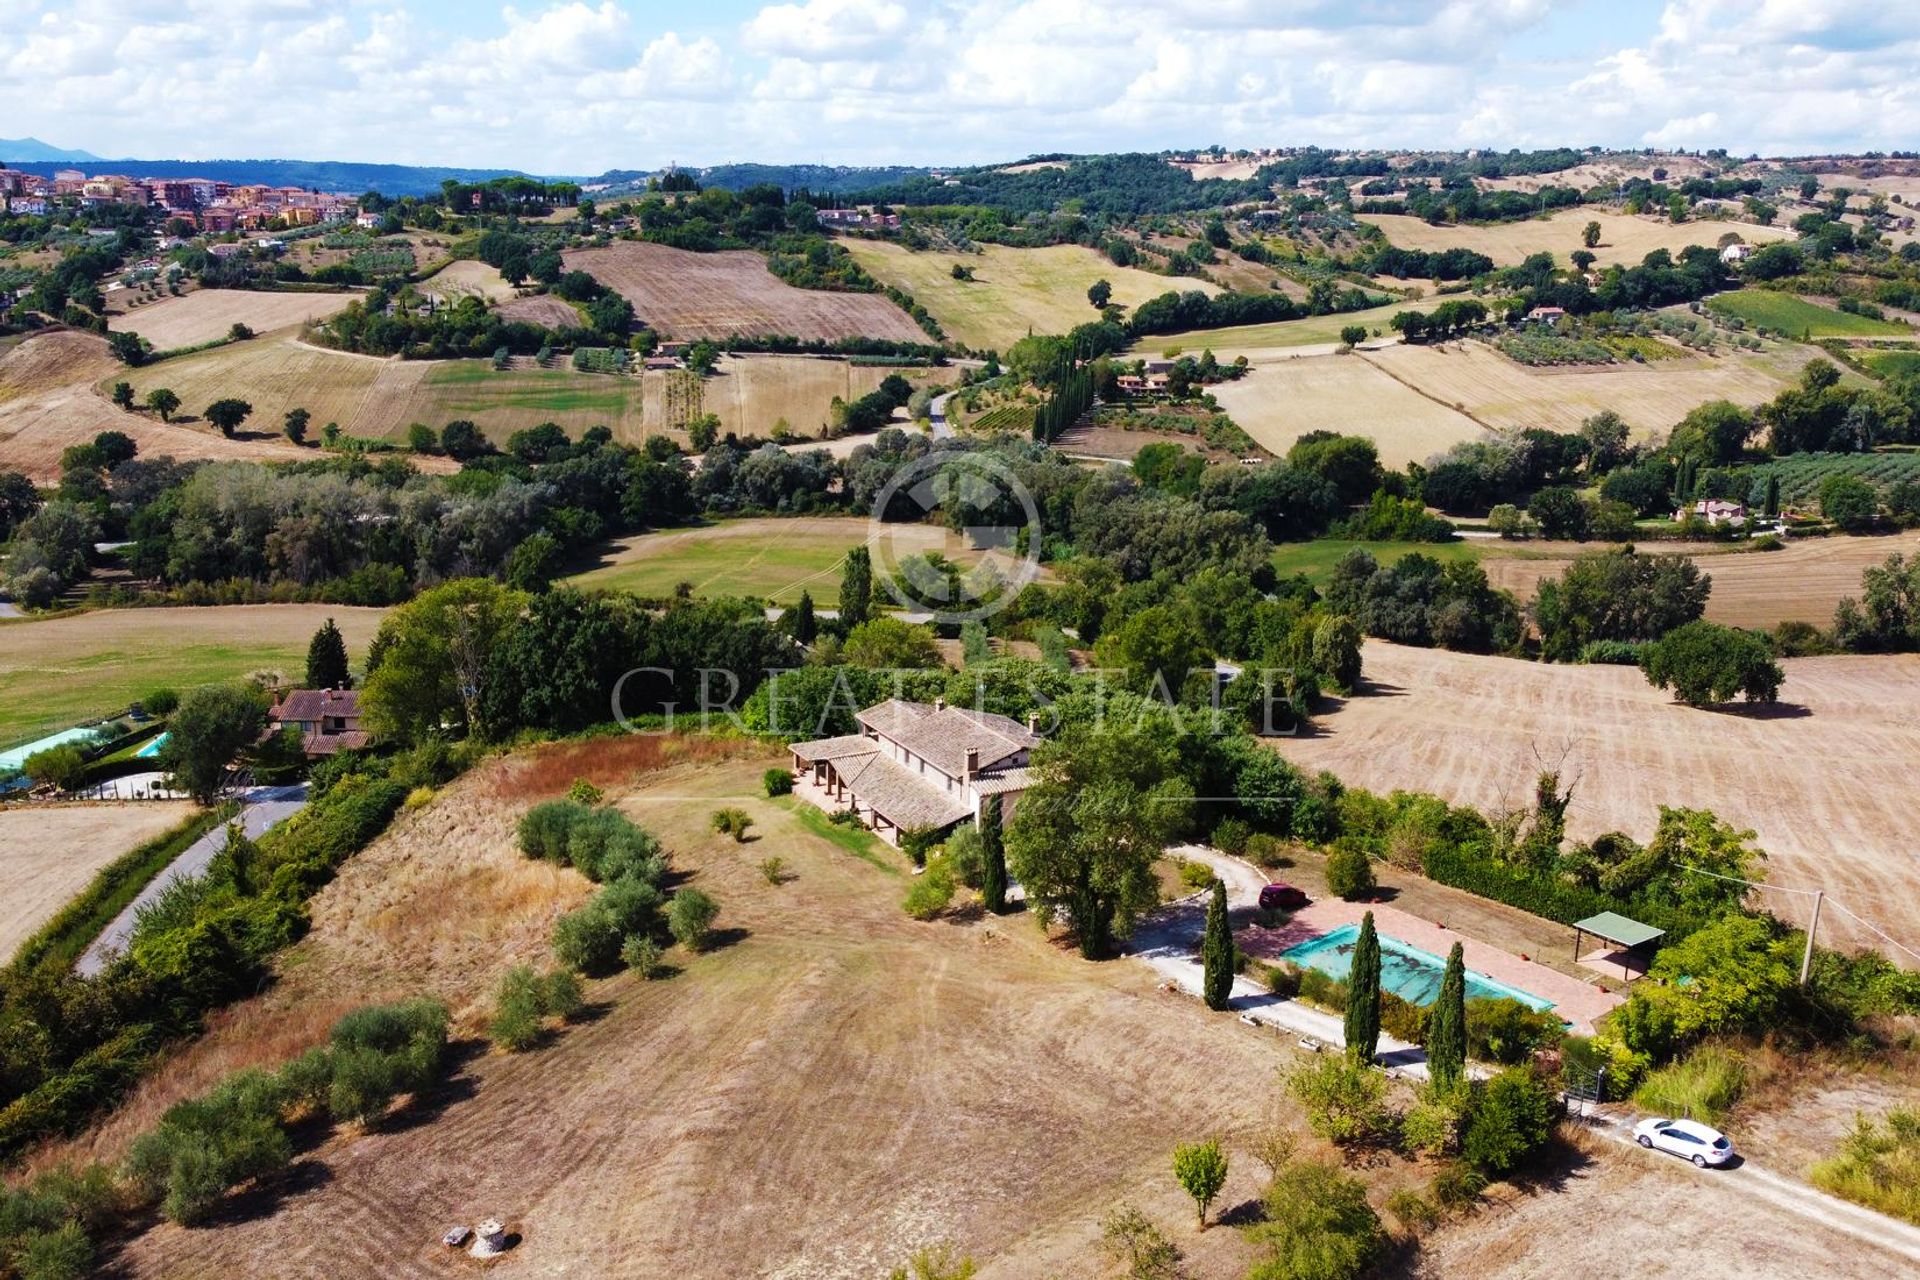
<point x="1408" y="972"/>
<point x="151" y="749"/>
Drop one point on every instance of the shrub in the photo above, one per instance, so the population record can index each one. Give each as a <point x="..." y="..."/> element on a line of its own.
<point x="1512" y="1119"/>
<point x="1201" y="1170"/>
<point x="642" y="955"/>
<point x="690" y="917"/>
<point x="918" y="842"/>
<point x="1506" y="1031"/>
<point x="1877" y="1165"/>
<point x="1457" y="1185"/>
<point x="584" y="792"/>
<point x="516" y="1011"/>
<point x="1349" y="873"/>
<point x="1318" y="1226"/>
<point x="731" y="822"/>
<point x="1231" y="835"/>
<point x="545" y="829"/>
<point x="777" y="782"/>
<point x="931" y="893"/>
<point x="419" y="798"/>
<point x="774" y="870"/>
<point x="588" y="939"/>
<point x="966" y="856"/>
<point x="1345" y="1100"/>
<point x="1197" y="876"/>
<point x="1702" y="1086"/>
<point x="160" y="703"/>
<point x="1415" y="1211"/>
<point x="1432" y="1126"/>
<point x="1283" y="980"/>
<point x="64" y="1253"/>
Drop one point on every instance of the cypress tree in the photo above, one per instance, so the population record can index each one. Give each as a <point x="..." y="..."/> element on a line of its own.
<point x="1773" y="495"/>
<point x="1447" y="1024"/>
<point x="856" y="589"/>
<point x="1216" y="953"/>
<point x="327" y="659"/>
<point x="1363" y="995"/>
<point x="804" y="626"/>
<point x="993" y="856"/>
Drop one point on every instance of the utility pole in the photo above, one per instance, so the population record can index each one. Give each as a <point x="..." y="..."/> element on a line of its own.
<point x="1813" y="926"/>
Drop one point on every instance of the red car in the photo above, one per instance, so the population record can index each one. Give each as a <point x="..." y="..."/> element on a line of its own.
<point x="1282" y="897"/>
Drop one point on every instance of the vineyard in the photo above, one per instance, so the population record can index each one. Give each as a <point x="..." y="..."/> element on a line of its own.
<point x="1801" y="473"/>
<point x="1016" y="418"/>
<point x="388" y="258"/>
<point x="1784" y="313"/>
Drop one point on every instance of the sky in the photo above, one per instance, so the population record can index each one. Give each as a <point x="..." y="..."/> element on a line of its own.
<point x="580" y="86"/>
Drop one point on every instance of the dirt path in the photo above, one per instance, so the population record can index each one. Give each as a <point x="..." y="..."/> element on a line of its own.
<point x="1792" y="1197"/>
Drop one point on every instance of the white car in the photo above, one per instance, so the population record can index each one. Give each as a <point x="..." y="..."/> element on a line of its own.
<point x="1688" y="1139"/>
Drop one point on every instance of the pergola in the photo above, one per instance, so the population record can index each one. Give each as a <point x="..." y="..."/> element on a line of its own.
<point x="1610" y="926"/>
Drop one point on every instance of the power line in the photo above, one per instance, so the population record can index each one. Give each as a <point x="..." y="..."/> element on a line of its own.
<point x="1874" y="929"/>
<point x="1756" y="884"/>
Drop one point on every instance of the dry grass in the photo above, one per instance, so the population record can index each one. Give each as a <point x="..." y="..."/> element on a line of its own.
<point x="57" y="672"/>
<point x="1651" y="397"/>
<point x="854" y="1083"/>
<point x="380" y="398"/>
<point x="542" y="309"/>
<point x="207" y="314"/>
<point x="1623" y="239"/>
<point x="1278" y="340"/>
<point x="49" y="401"/>
<point x="1802" y="582"/>
<point x="48" y="855"/>
<point x="1013" y="291"/>
<point x="1284" y="398"/>
<point x="468" y="278"/>
<point x="1824" y="782"/>
<point x="713" y="295"/>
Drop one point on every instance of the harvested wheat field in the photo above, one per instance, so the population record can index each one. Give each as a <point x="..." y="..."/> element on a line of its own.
<point x="49" y="854"/>
<point x="857" y="1083"/>
<point x="1623" y="239"/>
<point x="1502" y="393"/>
<point x="1013" y="292"/>
<point x="1802" y="582"/>
<point x="1283" y="398"/>
<point x="49" y="401"/>
<point x="750" y="394"/>
<point x="57" y="672"/>
<point x="1824" y="779"/>
<point x="207" y="314"/>
<point x="714" y="295"/>
<point x="542" y="309"/>
<point x="468" y="278"/>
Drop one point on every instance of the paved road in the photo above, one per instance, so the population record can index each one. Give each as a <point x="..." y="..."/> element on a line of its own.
<point x="937" y="416"/>
<point x="261" y="808"/>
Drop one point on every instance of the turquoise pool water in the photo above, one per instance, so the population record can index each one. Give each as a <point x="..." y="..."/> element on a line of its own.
<point x="152" y="748"/>
<point x="10" y="760"/>
<point x="1408" y="972"/>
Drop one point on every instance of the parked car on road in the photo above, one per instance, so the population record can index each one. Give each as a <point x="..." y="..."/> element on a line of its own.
<point x="1283" y="897"/>
<point x="1688" y="1139"/>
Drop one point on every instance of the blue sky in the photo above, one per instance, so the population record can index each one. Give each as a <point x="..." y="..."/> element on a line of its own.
<point x="579" y="86"/>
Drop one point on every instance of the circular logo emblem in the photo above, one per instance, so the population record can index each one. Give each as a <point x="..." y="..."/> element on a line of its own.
<point x="973" y="565"/>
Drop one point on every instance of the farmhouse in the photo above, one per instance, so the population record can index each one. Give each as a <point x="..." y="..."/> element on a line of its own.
<point x="1735" y="254"/>
<point x="328" y="719"/>
<point x="1546" y="315"/>
<point x="915" y="766"/>
<point x="1713" y="511"/>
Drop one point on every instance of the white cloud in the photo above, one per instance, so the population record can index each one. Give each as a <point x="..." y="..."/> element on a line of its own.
<point x="581" y="85"/>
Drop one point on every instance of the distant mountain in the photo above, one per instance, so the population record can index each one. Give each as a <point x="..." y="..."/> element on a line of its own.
<point x="322" y="175"/>
<point x="31" y="150"/>
<point x="823" y="179"/>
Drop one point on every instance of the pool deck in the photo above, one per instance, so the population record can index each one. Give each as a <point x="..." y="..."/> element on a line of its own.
<point x="1580" y="1003"/>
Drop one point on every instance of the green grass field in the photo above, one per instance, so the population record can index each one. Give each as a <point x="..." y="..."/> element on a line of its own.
<point x="1894" y="364"/>
<point x="1310" y="331"/>
<point x="1796" y="317"/>
<point x="468" y="387"/>
<point x="59" y="672"/>
<point x="776" y="559"/>
<point x="1316" y="559"/>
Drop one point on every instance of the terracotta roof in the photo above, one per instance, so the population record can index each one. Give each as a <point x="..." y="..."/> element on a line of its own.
<point x="943" y="736"/>
<point x="996" y="782"/>
<point x="313" y="704"/>
<point x="325" y="744"/>
<point x="853" y="744"/>
<point x="902" y="797"/>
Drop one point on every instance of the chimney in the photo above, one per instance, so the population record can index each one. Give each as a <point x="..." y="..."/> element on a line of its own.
<point x="939" y="704"/>
<point x="1033" y="723"/>
<point x="973" y="762"/>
